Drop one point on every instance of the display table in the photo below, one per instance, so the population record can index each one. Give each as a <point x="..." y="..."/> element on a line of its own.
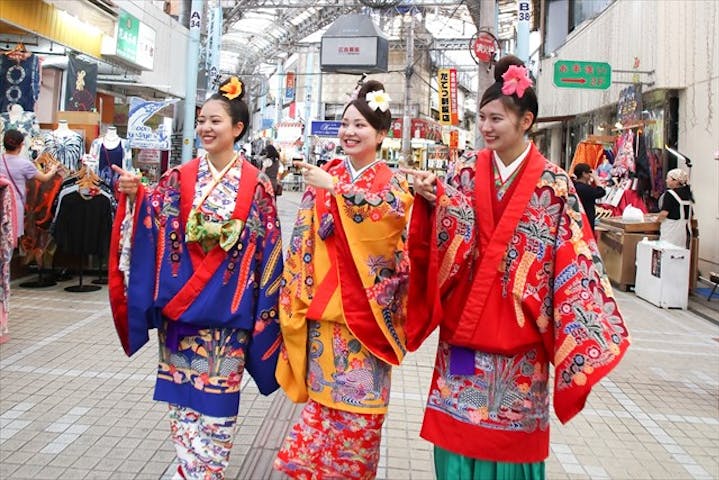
<point x="617" y="240"/>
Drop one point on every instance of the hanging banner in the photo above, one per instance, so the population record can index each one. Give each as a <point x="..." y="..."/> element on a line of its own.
<point x="139" y="131"/>
<point x="81" y="85"/>
<point x="629" y="105"/>
<point x="447" y="80"/>
<point x="290" y="86"/>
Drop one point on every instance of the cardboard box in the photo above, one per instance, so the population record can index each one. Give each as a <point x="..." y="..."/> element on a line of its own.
<point x="648" y="226"/>
<point x="618" y="251"/>
<point x="79" y="118"/>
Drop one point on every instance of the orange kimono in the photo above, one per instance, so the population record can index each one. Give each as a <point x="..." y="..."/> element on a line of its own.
<point x="344" y="292"/>
<point x="511" y="274"/>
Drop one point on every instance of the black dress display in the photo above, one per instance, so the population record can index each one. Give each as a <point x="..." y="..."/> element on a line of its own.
<point x="83" y="224"/>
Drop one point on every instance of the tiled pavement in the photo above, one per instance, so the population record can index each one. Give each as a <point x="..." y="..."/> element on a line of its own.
<point x="72" y="406"/>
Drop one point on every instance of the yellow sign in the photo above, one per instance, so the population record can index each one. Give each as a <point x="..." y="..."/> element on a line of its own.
<point x="447" y="80"/>
<point x="40" y="18"/>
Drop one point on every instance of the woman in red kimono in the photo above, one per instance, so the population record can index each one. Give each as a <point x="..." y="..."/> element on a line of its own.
<point x="504" y="261"/>
<point x="343" y="300"/>
<point x="199" y="257"/>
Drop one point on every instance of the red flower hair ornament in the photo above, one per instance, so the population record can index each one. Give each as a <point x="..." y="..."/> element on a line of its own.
<point x="516" y="80"/>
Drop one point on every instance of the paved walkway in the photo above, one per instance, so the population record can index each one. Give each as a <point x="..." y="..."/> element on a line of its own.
<point x="73" y="406"/>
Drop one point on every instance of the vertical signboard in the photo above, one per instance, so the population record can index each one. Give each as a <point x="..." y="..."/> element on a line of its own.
<point x="447" y="91"/>
<point x="453" y="95"/>
<point x="135" y="41"/>
<point x="290" y="86"/>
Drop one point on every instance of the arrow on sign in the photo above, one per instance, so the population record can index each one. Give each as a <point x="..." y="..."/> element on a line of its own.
<point x="574" y="80"/>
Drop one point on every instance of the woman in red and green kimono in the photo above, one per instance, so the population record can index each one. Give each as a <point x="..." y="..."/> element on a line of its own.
<point x="199" y="257"/>
<point x="342" y="305"/>
<point x="504" y="261"/>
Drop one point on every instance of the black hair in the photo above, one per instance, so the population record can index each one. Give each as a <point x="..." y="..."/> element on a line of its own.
<point x="519" y="105"/>
<point x="271" y="152"/>
<point x="580" y="169"/>
<point x="12" y="139"/>
<point x="377" y="118"/>
<point x="236" y="107"/>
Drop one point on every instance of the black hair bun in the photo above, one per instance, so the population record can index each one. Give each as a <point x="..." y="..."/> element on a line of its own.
<point x="369" y="86"/>
<point x="501" y="67"/>
<point x="232" y="88"/>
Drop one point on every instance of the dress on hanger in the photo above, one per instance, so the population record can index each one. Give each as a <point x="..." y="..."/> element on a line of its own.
<point x="66" y="146"/>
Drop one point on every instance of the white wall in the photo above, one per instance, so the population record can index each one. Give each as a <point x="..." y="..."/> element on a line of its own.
<point x="678" y="40"/>
<point x="171" y="40"/>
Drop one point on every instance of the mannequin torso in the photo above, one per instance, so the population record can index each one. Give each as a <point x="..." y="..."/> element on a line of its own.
<point x="111" y="140"/>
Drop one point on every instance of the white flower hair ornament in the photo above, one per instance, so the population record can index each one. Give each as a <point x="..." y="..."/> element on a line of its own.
<point x="378" y="99"/>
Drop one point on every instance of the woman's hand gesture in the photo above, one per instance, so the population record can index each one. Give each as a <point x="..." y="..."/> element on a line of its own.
<point x="315" y="176"/>
<point x="128" y="183"/>
<point x="424" y="184"/>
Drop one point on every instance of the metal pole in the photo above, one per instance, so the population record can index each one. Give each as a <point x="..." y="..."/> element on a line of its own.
<point x="523" y="30"/>
<point x="487" y="17"/>
<point x="278" y="97"/>
<point x="193" y="51"/>
<point x="309" y="68"/>
<point x="407" y="114"/>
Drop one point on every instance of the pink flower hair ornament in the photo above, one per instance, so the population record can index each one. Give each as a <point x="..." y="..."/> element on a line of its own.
<point x="516" y="80"/>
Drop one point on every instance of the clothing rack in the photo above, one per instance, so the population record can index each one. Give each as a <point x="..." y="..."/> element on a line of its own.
<point x="80" y="288"/>
<point x="599" y="139"/>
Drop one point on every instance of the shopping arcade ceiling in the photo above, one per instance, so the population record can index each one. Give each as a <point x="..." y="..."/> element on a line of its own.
<point x="256" y="33"/>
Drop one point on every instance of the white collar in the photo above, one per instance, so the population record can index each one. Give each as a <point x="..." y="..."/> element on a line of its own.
<point x="506" y="171"/>
<point x="355" y="174"/>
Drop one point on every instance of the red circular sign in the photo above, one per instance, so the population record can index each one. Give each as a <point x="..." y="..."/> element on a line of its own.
<point x="484" y="44"/>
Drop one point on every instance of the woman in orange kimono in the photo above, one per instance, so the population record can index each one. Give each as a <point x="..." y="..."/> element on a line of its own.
<point x="504" y="261"/>
<point x="342" y="304"/>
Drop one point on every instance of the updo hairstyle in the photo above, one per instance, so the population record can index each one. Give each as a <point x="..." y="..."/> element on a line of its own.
<point x="519" y="105"/>
<point x="377" y="118"/>
<point x="235" y="107"/>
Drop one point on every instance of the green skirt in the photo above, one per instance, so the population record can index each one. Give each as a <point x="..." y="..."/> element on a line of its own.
<point x="451" y="466"/>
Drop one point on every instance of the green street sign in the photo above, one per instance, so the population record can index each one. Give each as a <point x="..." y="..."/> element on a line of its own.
<point x="575" y="74"/>
<point x="128" y="28"/>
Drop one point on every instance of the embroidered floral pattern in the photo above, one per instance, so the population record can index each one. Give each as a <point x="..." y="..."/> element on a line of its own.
<point x="504" y="393"/>
<point x="330" y="443"/>
<point x="202" y="443"/>
<point x="359" y="378"/>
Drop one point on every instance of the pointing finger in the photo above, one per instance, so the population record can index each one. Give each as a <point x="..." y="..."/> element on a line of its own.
<point x="300" y="164"/>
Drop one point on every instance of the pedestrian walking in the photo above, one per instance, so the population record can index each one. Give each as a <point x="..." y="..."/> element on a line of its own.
<point x="502" y="263"/>
<point x="199" y="257"/>
<point x="342" y="305"/>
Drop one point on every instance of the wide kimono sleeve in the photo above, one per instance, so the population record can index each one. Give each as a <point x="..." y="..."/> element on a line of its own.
<point x="264" y="346"/>
<point x="442" y="250"/>
<point x="295" y="297"/>
<point x="132" y="268"/>
<point x="587" y="337"/>
<point x="350" y="244"/>
<point x="370" y="242"/>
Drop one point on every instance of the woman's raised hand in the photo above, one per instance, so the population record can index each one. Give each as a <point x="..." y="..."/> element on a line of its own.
<point x="424" y="184"/>
<point x="127" y="183"/>
<point x="315" y="176"/>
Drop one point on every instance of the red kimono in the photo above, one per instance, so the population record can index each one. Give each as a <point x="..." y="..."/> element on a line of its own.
<point x="511" y="274"/>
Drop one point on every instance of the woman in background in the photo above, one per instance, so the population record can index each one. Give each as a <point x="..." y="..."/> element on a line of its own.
<point x="18" y="169"/>
<point x="676" y="209"/>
